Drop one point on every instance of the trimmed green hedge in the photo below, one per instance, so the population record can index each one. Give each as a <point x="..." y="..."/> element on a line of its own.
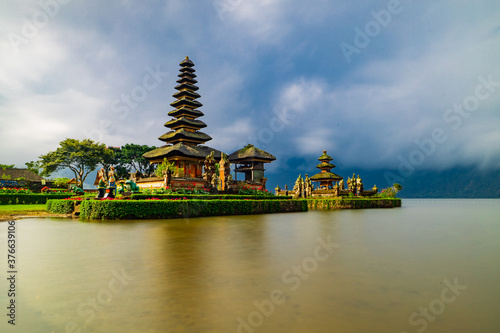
<point x="29" y="198"/>
<point x="139" y="196"/>
<point x="352" y="203"/>
<point x="60" y="206"/>
<point x="164" y="209"/>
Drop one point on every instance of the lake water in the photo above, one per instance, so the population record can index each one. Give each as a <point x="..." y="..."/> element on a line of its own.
<point x="432" y="265"/>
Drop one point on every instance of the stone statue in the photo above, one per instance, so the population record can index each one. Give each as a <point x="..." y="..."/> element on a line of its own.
<point x="297" y="189"/>
<point x="351" y="184"/>
<point x="77" y="190"/>
<point x="341" y="184"/>
<point x="359" y="186"/>
<point x="132" y="186"/>
<point x="224" y="172"/>
<point x="215" y="181"/>
<point x="101" y="185"/>
<point x="167" y="177"/>
<point x="102" y="175"/>
<point x="111" y="177"/>
<point x="209" y="174"/>
<point x="307" y="186"/>
<point x="110" y="192"/>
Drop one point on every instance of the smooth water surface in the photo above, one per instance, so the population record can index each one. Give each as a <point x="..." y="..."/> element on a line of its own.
<point x="432" y="265"/>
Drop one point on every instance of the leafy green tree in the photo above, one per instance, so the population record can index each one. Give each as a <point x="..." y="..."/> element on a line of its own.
<point x="391" y="191"/>
<point x="6" y="166"/>
<point x="165" y="165"/>
<point x="62" y="181"/>
<point x="81" y="157"/>
<point x="33" y="166"/>
<point x="3" y="167"/>
<point x="114" y="161"/>
<point x="130" y="157"/>
<point x="397" y="187"/>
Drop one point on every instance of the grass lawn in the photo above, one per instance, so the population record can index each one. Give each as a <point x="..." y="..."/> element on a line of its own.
<point x="19" y="209"/>
<point x="9" y="212"/>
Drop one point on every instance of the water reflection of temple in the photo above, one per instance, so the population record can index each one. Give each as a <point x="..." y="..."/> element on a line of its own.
<point x="191" y="163"/>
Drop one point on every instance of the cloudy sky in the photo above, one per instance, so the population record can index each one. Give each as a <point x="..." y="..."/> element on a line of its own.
<point x="377" y="84"/>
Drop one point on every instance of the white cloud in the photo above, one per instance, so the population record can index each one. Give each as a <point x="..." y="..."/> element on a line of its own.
<point x="31" y="65"/>
<point x="298" y="96"/>
<point x="314" y="141"/>
<point x="36" y="124"/>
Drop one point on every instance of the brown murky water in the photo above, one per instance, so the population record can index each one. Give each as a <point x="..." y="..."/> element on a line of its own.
<point x="432" y="265"/>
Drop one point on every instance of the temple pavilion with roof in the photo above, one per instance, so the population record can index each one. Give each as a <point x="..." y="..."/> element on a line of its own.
<point x="184" y="144"/>
<point x="250" y="161"/>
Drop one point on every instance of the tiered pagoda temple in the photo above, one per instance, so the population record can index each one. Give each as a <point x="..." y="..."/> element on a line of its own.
<point x="184" y="140"/>
<point x="325" y="177"/>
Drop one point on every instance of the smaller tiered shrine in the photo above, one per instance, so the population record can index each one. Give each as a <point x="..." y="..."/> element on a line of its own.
<point x="329" y="183"/>
<point x="325" y="177"/>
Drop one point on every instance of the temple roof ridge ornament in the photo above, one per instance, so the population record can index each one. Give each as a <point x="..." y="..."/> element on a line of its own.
<point x="325" y="157"/>
<point x="187" y="62"/>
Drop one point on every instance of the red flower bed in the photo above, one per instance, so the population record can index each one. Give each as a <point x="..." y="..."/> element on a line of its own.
<point x="14" y="190"/>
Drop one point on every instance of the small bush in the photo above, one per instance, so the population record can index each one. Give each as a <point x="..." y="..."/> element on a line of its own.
<point x="60" y="206"/>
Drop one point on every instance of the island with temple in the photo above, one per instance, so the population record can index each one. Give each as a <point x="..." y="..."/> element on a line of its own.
<point x="331" y="192"/>
<point x="193" y="179"/>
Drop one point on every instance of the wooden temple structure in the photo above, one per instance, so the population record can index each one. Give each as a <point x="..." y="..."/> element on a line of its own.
<point x="325" y="177"/>
<point x="184" y="140"/>
<point x="184" y="147"/>
<point x="250" y="161"/>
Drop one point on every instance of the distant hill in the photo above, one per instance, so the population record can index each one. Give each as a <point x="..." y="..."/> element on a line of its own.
<point x="453" y="183"/>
